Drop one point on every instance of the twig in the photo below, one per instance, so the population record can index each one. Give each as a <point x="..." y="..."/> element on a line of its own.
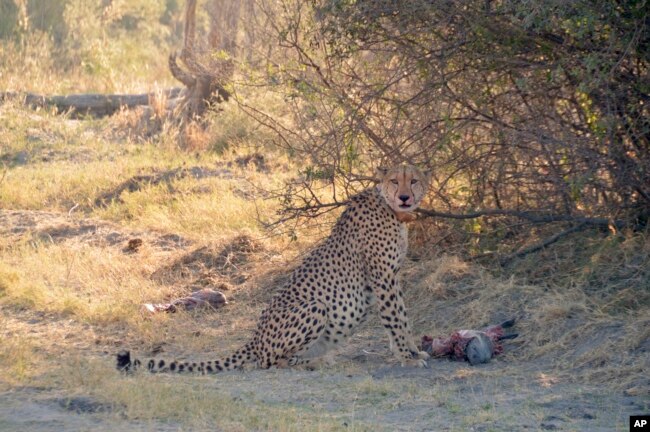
<point x="313" y="208"/>
<point x="74" y="207"/>
<point x="310" y="211"/>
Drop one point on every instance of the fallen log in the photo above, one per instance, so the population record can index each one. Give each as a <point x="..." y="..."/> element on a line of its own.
<point x="94" y="104"/>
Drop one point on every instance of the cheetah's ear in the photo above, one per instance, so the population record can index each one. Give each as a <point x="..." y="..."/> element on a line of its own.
<point x="381" y="173"/>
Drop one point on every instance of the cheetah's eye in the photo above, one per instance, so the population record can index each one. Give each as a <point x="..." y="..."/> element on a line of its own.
<point x="394" y="181"/>
<point x="414" y="181"/>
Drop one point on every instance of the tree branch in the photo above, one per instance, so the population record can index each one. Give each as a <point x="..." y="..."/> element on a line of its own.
<point x="528" y="215"/>
<point x="541" y="245"/>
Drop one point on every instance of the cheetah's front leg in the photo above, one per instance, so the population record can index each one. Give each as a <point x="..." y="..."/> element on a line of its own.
<point x="393" y="317"/>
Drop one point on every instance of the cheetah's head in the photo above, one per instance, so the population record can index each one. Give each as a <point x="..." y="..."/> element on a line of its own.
<point x="403" y="186"/>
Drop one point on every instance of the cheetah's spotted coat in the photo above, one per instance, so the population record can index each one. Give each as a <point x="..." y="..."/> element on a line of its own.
<point x="332" y="291"/>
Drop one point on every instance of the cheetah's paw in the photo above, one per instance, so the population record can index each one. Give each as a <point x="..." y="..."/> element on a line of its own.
<point x="415" y="362"/>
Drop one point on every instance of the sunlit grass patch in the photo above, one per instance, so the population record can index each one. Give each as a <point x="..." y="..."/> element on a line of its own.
<point x="93" y="284"/>
<point x="56" y="186"/>
<point x="207" y="209"/>
<point x="75" y="174"/>
<point x="19" y="358"/>
<point x="69" y="165"/>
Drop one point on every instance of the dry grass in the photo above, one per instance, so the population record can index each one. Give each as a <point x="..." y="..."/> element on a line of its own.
<point x="94" y="284"/>
<point x="195" y="404"/>
<point x="582" y="309"/>
<point x="21" y="362"/>
<point x="89" y="58"/>
<point x="581" y="306"/>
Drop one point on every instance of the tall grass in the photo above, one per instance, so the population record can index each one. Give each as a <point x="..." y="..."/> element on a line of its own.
<point x="66" y="46"/>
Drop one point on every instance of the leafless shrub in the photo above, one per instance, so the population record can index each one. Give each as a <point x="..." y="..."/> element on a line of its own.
<point x="517" y="107"/>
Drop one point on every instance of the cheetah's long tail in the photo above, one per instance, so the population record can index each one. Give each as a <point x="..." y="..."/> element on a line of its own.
<point x="242" y="356"/>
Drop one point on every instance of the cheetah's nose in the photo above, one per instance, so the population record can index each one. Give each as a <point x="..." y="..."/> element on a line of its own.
<point x="404" y="198"/>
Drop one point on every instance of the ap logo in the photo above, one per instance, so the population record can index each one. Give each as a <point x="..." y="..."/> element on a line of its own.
<point x="640" y="423"/>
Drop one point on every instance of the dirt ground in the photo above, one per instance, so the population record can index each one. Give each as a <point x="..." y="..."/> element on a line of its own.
<point x="437" y="403"/>
<point x="364" y="391"/>
<point x="366" y="395"/>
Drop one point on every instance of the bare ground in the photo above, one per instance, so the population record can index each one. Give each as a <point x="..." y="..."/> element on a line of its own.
<point x="364" y="391"/>
<point x="496" y="397"/>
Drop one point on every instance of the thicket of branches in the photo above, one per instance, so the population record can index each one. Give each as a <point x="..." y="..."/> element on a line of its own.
<point x="535" y="106"/>
<point x="536" y="110"/>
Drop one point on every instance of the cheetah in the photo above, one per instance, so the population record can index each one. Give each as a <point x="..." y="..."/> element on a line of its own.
<point x="332" y="291"/>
